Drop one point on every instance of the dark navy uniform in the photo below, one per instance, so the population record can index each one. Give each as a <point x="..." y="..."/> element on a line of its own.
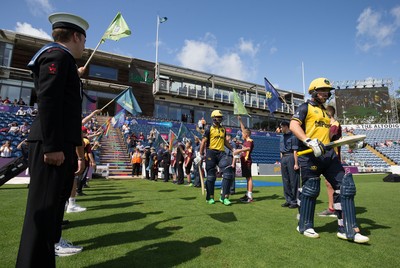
<point x="57" y="128"/>
<point x="290" y="177"/>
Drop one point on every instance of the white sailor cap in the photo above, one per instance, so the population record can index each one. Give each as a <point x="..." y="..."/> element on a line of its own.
<point x="69" y="21"/>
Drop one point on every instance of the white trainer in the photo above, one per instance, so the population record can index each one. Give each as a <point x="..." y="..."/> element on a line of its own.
<point x="65" y="248"/>
<point x="358" y="238"/>
<point x="310" y="232"/>
<point x="75" y="208"/>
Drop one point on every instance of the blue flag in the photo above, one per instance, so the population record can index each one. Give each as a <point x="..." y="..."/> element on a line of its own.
<point x="273" y="99"/>
<point x="119" y="119"/>
<point x="128" y="102"/>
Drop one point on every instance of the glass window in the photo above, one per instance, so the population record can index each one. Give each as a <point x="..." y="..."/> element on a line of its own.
<point x="5" y="54"/>
<point x="103" y="72"/>
<point x="160" y="110"/>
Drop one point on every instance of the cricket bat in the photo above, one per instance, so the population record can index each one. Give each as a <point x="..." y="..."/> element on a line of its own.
<point x="201" y="177"/>
<point x="339" y="142"/>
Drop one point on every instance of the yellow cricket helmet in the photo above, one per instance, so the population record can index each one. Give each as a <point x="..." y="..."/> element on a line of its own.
<point x="216" y="113"/>
<point x="318" y="84"/>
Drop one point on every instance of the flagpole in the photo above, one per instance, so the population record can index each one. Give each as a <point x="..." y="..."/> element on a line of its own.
<point x="111" y="101"/>
<point x="91" y="56"/>
<point x="157" y="67"/>
<point x="304" y="85"/>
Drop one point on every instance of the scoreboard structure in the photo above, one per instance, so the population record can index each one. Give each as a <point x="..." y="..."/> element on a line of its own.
<point x="370" y="98"/>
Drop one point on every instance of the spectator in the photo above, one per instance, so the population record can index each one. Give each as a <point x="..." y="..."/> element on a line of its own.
<point x="141" y="136"/>
<point x="6" y="150"/>
<point x="21" y="102"/>
<point x="6" y="101"/>
<point x="24" y="128"/>
<point x="14" y="129"/>
<point x="20" y="112"/>
<point x="136" y="161"/>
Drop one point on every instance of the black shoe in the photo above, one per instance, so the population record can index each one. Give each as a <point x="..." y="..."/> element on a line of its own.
<point x="65" y="222"/>
<point x="293" y="206"/>
<point x="86" y="186"/>
<point x="244" y="198"/>
<point x="81" y="194"/>
<point x="286" y="204"/>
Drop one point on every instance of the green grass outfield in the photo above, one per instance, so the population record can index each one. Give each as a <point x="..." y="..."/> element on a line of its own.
<point x="140" y="223"/>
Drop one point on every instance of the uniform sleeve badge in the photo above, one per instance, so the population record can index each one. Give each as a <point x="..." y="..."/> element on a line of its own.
<point x="52" y="69"/>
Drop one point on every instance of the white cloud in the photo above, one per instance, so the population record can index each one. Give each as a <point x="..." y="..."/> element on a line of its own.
<point x="247" y="47"/>
<point x="273" y="50"/>
<point x="375" y="29"/>
<point x="203" y="56"/>
<point x="26" y="28"/>
<point x="40" y="7"/>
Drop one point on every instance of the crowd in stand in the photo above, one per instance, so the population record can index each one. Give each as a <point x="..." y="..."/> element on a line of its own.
<point x="14" y="103"/>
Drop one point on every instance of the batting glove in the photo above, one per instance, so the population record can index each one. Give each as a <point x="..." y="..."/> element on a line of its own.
<point x="197" y="159"/>
<point x="357" y="145"/>
<point x="316" y="145"/>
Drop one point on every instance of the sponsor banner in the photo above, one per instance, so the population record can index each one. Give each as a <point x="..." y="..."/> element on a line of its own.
<point x="370" y="126"/>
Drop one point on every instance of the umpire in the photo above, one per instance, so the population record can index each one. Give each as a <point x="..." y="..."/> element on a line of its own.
<point x="289" y="166"/>
<point x="54" y="136"/>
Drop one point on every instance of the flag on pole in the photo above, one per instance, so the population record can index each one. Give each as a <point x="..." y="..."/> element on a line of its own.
<point x="273" y="98"/>
<point x="162" y="19"/>
<point x="158" y="140"/>
<point x="183" y="132"/>
<point x="128" y="102"/>
<point x="238" y="107"/>
<point x="117" y="29"/>
<point x="172" y="139"/>
<point x="107" y="128"/>
<point x="118" y="120"/>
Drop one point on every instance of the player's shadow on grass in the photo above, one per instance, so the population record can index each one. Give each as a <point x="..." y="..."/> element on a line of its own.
<point x="107" y="193"/>
<point x="103" y="198"/>
<point x="226" y="217"/>
<point x="114" y="206"/>
<point x="366" y="224"/>
<point x="188" y="198"/>
<point x="164" y="254"/>
<point x="149" y="232"/>
<point x="167" y="191"/>
<point x="113" y="218"/>
<point x="266" y="197"/>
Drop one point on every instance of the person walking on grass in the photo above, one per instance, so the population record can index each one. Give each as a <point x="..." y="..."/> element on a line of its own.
<point x="214" y="141"/>
<point x="311" y="125"/>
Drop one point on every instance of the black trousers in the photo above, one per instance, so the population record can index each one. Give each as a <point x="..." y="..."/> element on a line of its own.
<point x="166" y="171"/>
<point x="50" y="187"/>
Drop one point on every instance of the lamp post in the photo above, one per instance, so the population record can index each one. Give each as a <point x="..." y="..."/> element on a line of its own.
<point x="157" y="67"/>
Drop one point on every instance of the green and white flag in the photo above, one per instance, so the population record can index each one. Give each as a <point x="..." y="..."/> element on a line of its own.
<point x="238" y="107"/>
<point x="117" y="29"/>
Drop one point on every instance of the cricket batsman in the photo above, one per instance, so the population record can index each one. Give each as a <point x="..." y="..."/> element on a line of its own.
<point x="310" y="124"/>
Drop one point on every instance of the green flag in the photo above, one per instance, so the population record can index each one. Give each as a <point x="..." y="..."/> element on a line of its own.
<point x="117" y="29"/>
<point x="238" y="107"/>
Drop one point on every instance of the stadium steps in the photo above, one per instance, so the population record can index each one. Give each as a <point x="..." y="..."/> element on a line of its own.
<point x="114" y="153"/>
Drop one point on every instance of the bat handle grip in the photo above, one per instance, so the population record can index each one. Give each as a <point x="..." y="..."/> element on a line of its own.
<point x="304" y="152"/>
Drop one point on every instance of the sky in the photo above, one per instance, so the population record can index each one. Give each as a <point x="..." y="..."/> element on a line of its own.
<point x="245" y="40"/>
